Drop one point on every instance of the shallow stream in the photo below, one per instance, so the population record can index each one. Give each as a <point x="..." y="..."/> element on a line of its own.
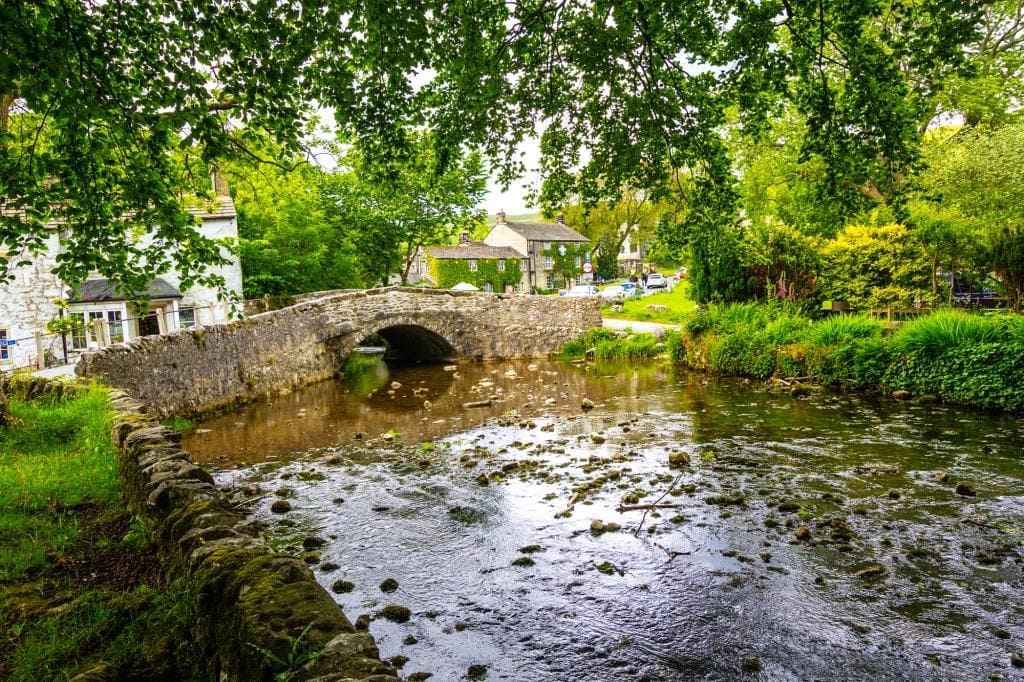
<point x="810" y="538"/>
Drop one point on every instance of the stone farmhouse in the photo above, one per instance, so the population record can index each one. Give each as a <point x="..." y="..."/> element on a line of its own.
<point x="29" y="301"/>
<point x="510" y="258"/>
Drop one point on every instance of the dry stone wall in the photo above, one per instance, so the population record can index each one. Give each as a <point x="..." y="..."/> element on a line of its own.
<point x="252" y="604"/>
<point x="204" y="369"/>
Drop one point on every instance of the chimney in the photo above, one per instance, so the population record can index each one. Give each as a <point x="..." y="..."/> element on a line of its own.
<point x="560" y="218"/>
<point x="501" y="218"/>
<point x="464" y="238"/>
<point x="219" y="182"/>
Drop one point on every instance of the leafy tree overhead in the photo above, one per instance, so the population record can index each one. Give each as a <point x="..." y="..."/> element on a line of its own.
<point x="643" y="89"/>
<point x="285" y="244"/>
<point x="388" y="212"/>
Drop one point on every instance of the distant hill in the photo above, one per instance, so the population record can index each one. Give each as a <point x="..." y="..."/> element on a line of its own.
<point x="520" y="218"/>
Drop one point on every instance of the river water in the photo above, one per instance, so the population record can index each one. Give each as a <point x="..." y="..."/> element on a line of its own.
<point x="897" y="576"/>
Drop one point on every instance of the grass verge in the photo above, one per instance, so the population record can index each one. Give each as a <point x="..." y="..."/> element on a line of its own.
<point x="677" y="303"/>
<point x="78" y="586"/>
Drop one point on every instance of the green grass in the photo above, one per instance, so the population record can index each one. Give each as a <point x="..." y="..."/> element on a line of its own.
<point x="608" y="345"/>
<point x="678" y="302"/>
<point x="61" y="506"/>
<point x="180" y="424"/>
<point x="932" y="335"/>
<point x="59" y="457"/>
<point x="838" y="329"/>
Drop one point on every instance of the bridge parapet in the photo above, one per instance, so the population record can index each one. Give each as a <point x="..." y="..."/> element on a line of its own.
<point x="204" y="369"/>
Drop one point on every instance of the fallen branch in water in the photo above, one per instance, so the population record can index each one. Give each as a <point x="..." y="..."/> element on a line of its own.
<point x="568" y="509"/>
<point x="638" y="507"/>
<point x="672" y="554"/>
<point x="250" y="500"/>
<point x="654" y="505"/>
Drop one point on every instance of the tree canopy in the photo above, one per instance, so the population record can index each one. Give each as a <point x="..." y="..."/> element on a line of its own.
<point x="627" y="94"/>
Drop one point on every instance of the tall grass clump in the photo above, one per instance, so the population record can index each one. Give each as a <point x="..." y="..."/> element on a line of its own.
<point x="840" y="329"/>
<point x="633" y="346"/>
<point x="932" y="335"/>
<point x="743" y="338"/>
<point x="578" y="347"/>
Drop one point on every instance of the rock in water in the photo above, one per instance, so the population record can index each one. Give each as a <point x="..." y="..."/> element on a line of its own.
<point x="678" y="459"/>
<point x="587" y="404"/>
<point x="965" y="489"/>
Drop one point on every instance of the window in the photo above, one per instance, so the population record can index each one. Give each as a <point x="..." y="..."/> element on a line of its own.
<point x="116" y="326"/>
<point x="80" y="337"/>
<point x="549" y="263"/>
<point x="488" y="288"/>
<point x="472" y="266"/>
<point x="525" y="265"/>
<point x="579" y="261"/>
<point x="549" y="283"/>
<point x="5" y="353"/>
<point x="501" y="265"/>
<point x="186" y="318"/>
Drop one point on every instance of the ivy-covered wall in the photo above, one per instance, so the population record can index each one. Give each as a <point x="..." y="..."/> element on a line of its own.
<point x="564" y="266"/>
<point x="447" y="272"/>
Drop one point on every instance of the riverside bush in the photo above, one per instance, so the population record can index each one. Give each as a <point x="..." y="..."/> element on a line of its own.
<point x="933" y="335"/>
<point x="960" y="357"/>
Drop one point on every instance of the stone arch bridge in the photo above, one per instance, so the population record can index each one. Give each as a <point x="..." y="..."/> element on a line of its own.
<point x="199" y="370"/>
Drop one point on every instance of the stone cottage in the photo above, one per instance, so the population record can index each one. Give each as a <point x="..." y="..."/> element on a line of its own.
<point x="29" y="301"/>
<point x="489" y="268"/>
<point x="533" y="240"/>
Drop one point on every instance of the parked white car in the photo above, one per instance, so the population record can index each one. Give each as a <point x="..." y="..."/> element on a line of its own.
<point x="582" y="291"/>
<point x="615" y="292"/>
<point x="656" y="280"/>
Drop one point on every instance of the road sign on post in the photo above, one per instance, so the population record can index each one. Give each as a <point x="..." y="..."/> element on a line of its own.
<point x="588" y="267"/>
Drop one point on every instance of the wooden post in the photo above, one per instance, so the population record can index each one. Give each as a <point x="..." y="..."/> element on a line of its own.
<point x="40" y="353"/>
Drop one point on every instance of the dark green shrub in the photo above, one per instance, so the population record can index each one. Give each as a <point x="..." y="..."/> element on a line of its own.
<point x="859" y="363"/>
<point x="933" y="335"/>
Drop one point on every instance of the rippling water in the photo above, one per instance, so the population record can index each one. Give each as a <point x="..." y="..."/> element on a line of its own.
<point x="900" y="578"/>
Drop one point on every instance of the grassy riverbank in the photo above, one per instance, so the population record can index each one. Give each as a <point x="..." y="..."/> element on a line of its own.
<point x="958" y="357"/>
<point x="78" y="586"/>
<point x="678" y="306"/>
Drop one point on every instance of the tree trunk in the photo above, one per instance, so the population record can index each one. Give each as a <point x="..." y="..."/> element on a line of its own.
<point x="935" y="274"/>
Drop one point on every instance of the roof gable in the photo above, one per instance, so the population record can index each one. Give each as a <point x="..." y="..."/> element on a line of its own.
<point x="546" y="232"/>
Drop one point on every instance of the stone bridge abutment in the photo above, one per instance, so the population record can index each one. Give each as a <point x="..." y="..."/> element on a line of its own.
<point x="200" y="370"/>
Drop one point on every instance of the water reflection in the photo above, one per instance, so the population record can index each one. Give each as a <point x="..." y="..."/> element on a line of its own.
<point x="899" y="577"/>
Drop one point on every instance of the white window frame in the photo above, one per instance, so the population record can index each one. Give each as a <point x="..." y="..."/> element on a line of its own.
<point x="549" y="263"/>
<point x="501" y="265"/>
<point x="114" y="317"/>
<point x="182" y="322"/>
<point x="472" y="265"/>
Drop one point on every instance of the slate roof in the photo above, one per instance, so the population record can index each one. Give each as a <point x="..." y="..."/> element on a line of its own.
<point x="474" y="251"/>
<point x="221" y="208"/>
<point x="101" y="291"/>
<point x="546" y="232"/>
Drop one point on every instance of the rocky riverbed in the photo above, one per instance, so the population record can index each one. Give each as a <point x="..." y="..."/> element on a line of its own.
<point x="623" y="522"/>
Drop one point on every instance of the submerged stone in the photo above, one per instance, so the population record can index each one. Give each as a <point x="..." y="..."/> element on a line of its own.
<point x="965" y="489"/>
<point x="389" y="585"/>
<point x="281" y="506"/>
<point x="342" y="586"/>
<point x="395" y="613"/>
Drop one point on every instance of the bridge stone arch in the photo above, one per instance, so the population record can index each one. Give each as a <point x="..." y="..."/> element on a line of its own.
<point x="194" y="371"/>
